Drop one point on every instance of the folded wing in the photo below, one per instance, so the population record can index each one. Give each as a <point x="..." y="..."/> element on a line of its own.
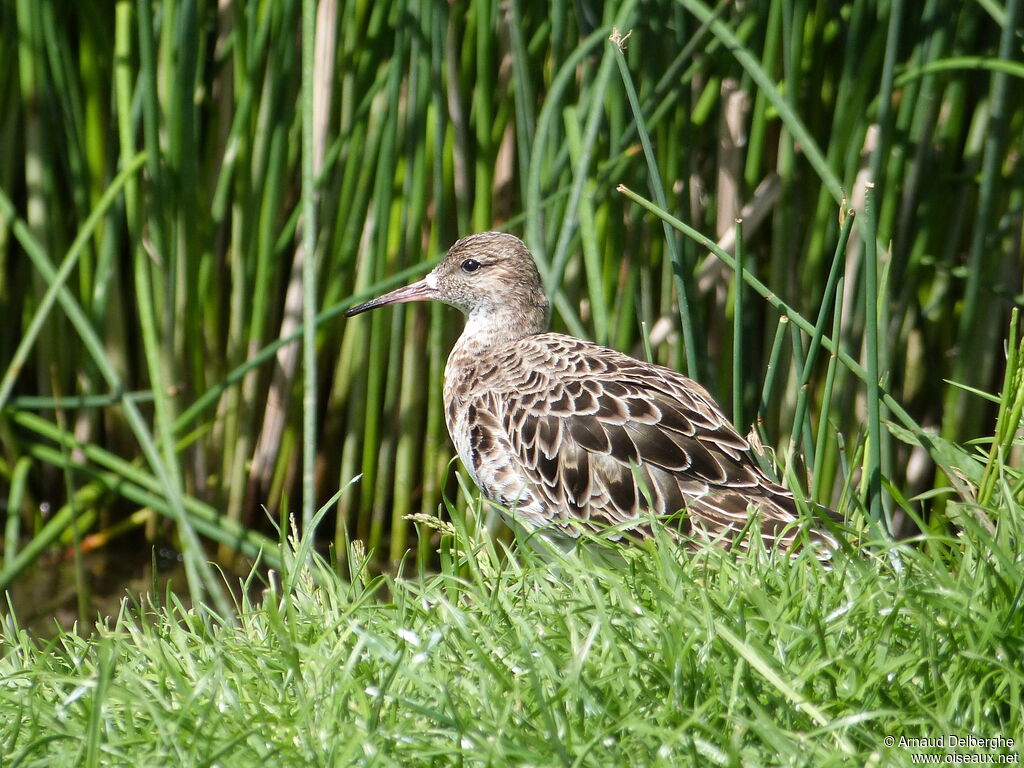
<point x="609" y="442"/>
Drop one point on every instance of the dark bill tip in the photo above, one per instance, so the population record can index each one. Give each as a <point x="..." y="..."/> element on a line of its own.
<point x="366" y="306"/>
<point x="418" y="291"/>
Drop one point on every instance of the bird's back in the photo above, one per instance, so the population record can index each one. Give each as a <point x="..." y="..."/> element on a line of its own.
<point x="564" y="433"/>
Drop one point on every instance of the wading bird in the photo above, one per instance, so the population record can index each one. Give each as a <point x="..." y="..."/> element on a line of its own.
<point x="562" y="435"/>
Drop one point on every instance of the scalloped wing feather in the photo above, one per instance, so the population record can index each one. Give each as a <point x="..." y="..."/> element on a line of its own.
<point x="573" y="431"/>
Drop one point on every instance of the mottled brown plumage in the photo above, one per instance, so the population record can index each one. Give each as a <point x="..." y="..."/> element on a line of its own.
<point x="563" y="434"/>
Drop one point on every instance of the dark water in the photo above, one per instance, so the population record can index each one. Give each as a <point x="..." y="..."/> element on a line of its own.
<point x="46" y="596"/>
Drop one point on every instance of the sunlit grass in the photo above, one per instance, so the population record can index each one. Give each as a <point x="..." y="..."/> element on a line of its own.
<point x="668" y="658"/>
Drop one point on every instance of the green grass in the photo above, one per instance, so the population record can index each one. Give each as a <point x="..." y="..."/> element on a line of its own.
<point x="668" y="658"/>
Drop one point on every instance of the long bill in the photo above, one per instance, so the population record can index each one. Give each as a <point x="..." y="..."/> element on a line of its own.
<point x="418" y="291"/>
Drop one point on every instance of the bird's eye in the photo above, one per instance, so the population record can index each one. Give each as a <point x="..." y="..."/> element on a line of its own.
<point x="470" y="265"/>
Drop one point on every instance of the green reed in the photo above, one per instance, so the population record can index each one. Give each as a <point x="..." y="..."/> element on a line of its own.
<point x="192" y="197"/>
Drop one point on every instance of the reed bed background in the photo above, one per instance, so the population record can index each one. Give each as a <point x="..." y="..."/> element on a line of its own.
<point x="188" y="185"/>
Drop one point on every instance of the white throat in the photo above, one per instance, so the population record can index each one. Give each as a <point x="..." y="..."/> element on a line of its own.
<point x="485" y="329"/>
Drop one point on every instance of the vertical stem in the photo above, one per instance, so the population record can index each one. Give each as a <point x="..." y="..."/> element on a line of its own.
<point x="309" y="291"/>
<point x="771" y="371"/>
<point x="873" y="457"/>
<point x="975" y="329"/>
<point x="826" y="396"/>
<point x="812" y="350"/>
<point x="683" y="272"/>
<point x="15" y="499"/>
<point x="484" y="117"/>
<point x="737" y="331"/>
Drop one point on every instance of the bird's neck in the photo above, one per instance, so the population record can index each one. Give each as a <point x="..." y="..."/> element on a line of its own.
<point x="487" y="330"/>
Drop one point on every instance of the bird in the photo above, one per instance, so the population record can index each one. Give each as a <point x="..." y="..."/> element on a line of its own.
<point x="564" y="436"/>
